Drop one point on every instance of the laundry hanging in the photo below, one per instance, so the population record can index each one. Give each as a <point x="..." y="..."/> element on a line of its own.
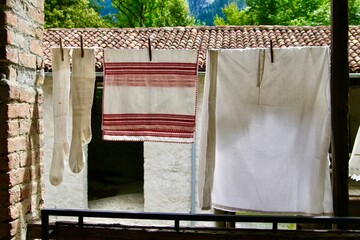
<point x="61" y="96"/>
<point x="147" y="100"/>
<point x="82" y="95"/>
<point x="74" y="90"/>
<point x="354" y="163"/>
<point x="265" y="131"/>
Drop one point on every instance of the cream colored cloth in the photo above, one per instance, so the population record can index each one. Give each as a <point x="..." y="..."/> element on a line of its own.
<point x="61" y="95"/>
<point x="82" y="94"/>
<point x="265" y="131"/>
<point x="149" y="100"/>
<point x="354" y="163"/>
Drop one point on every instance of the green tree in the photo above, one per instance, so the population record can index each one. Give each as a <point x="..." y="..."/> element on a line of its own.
<point x="298" y="12"/>
<point x="285" y="12"/>
<point x="234" y="16"/>
<point x="152" y="13"/>
<point x="72" y="14"/>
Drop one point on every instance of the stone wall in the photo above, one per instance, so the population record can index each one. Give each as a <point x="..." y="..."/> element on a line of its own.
<point x="21" y="127"/>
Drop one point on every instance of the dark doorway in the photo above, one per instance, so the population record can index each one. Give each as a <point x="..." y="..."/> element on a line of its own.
<point x="114" y="168"/>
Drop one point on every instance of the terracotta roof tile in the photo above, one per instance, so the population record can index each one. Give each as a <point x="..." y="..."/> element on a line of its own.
<point x="201" y="38"/>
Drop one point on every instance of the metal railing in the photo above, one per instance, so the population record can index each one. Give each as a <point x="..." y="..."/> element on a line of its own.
<point x="178" y="217"/>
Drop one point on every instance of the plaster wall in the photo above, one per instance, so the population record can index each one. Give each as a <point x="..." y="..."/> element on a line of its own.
<point x="72" y="192"/>
<point x="167" y="170"/>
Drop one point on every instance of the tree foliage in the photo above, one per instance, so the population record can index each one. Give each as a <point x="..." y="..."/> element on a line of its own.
<point x="284" y="12"/>
<point x="152" y="13"/>
<point x="205" y="11"/>
<point x="72" y="14"/>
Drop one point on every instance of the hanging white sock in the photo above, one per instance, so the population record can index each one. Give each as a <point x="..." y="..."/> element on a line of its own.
<point x="82" y="94"/>
<point x="61" y="95"/>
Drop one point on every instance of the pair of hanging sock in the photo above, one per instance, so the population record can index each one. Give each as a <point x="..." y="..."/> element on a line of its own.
<point x="82" y="92"/>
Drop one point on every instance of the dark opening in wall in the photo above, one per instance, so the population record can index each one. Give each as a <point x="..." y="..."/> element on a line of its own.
<point x="114" y="168"/>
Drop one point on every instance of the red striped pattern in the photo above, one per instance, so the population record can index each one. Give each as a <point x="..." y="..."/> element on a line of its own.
<point x="135" y="126"/>
<point x="153" y="74"/>
<point x="145" y="122"/>
<point x="154" y="134"/>
<point x="153" y="81"/>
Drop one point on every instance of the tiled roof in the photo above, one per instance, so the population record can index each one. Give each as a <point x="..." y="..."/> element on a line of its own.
<point x="201" y="38"/>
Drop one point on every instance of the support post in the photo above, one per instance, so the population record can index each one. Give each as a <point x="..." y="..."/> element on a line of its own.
<point x="339" y="105"/>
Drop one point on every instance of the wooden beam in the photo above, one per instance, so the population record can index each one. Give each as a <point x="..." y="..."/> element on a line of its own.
<point x="339" y="105"/>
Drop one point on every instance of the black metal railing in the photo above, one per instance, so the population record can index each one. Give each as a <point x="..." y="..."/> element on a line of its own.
<point x="178" y="217"/>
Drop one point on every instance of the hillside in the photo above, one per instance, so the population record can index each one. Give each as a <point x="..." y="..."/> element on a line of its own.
<point x="203" y="10"/>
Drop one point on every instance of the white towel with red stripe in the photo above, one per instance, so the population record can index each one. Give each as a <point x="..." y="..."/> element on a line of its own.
<point x="147" y="100"/>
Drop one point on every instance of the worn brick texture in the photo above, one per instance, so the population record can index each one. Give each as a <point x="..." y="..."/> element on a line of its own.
<point x="21" y="117"/>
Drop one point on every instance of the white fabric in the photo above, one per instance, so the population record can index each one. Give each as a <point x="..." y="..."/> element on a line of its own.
<point x="82" y="94"/>
<point x="149" y="100"/>
<point x="265" y="131"/>
<point x="354" y="163"/>
<point x="61" y="95"/>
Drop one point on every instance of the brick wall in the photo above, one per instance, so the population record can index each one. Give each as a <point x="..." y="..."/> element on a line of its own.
<point x="21" y="124"/>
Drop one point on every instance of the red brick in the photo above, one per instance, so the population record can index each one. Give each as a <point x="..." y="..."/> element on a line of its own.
<point x="36" y="14"/>
<point x="27" y="60"/>
<point x="16" y="39"/>
<point x="10" y="54"/>
<point x="36" y="47"/>
<point x="11" y="18"/>
<point x="12" y="128"/>
<point x="14" y="194"/>
<point x="16" y="144"/>
<point x="20" y="175"/>
<point x="27" y="95"/>
<point x="24" y="127"/>
<point x="19" y="110"/>
<point x="23" y="159"/>
<point x="14" y="91"/>
<point x="13" y="161"/>
<point x="26" y="27"/>
<point x="15" y="210"/>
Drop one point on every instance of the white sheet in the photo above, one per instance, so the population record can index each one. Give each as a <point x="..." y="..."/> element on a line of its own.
<point x="266" y="131"/>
